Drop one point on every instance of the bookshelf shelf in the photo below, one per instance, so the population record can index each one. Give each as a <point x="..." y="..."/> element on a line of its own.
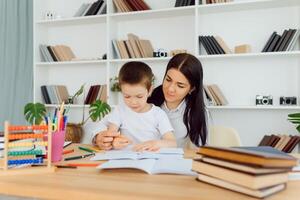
<point x="253" y="107"/>
<point x="70" y="63"/>
<point x="66" y="105"/>
<point x="74" y="20"/>
<point x="158" y="59"/>
<point x="252" y="55"/>
<point x="150" y="14"/>
<point x="245" y="5"/>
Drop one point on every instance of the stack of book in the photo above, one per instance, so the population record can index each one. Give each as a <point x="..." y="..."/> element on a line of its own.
<point x="95" y="8"/>
<point x="130" y="5"/>
<point x="285" y="42"/>
<point x="214" y="45"/>
<point x="214" y="95"/>
<point x="55" y="94"/>
<point x="214" y="1"/>
<point x="56" y="53"/>
<point x="285" y="143"/>
<point x="1" y="145"/>
<point x="96" y="92"/>
<point x="254" y="171"/>
<point x="133" y="47"/>
<point x="180" y="3"/>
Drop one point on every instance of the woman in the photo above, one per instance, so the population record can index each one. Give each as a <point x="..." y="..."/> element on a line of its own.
<point x="181" y="97"/>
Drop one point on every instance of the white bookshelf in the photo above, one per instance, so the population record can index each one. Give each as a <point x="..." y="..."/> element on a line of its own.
<point x="240" y="76"/>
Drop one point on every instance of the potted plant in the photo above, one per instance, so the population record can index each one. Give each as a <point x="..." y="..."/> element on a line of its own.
<point x="295" y="119"/>
<point x="35" y="113"/>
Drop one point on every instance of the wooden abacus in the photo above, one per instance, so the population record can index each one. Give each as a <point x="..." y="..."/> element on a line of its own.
<point x="13" y="159"/>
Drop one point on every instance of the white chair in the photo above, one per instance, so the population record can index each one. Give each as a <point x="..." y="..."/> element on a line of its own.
<point x="223" y="137"/>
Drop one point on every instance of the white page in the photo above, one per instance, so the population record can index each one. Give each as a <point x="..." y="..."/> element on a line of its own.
<point x="171" y="151"/>
<point x="294" y="176"/>
<point x="129" y="154"/>
<point x="174" y="166"/>
<point x="153" y="166"/>
<point x="145" y="164"/>
<point x="114" y="155"/>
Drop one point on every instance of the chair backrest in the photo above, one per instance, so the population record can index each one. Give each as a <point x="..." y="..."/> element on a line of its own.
<point x="223" y="137"/>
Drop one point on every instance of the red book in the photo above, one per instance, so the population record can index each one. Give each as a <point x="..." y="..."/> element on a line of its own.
<point x="133" y="5"/>
<point x="143" y="4"/>
<point x="88" y="97"/>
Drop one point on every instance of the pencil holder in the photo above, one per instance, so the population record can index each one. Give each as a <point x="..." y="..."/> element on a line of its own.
<point x="58" y="138"/>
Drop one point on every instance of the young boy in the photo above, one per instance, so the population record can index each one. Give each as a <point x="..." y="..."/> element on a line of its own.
<point x="142" y="124"/>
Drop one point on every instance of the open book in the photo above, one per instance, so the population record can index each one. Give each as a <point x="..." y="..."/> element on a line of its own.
<point x="153" y="166"/>
<point x="128" y="154"/>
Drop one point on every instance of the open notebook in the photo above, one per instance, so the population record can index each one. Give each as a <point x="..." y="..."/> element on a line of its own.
<point x="128" y="154"/>
<point x="153" y="166"/>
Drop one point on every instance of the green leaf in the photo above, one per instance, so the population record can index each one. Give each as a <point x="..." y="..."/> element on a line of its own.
<point x="98" y="110"/>
<point x="34" y="113"/>
<point x="79" y="92"/>
<point x="294" y="115"/>
<point x="298" y="128"/>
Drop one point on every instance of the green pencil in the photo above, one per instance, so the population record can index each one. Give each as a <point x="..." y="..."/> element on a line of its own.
<point x="86" y="149"/>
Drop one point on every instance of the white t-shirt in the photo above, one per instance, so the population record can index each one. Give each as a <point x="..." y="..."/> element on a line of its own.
<point x="140" y="127"/>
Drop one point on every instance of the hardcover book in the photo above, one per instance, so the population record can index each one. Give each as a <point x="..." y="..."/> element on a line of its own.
<point x="263" y="156"/>
<point x="261" y="193"/>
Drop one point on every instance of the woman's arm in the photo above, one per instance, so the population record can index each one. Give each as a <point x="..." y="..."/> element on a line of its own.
<point x="168" y="140"/>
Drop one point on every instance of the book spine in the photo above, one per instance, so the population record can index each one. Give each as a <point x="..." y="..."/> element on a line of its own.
<point x="267" y="45"/>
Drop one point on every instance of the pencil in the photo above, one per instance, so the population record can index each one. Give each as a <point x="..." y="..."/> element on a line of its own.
<point x="86" y="149"/>
<point x="79" y="157"/>
<point x="83" y="164"/>
<point x="68" y="151"/>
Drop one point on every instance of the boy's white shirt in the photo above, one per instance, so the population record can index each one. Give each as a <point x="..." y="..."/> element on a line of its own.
<point x="139" y="127"/>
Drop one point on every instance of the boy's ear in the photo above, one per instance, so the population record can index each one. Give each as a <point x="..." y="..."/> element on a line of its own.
<point x="150" y="90"/>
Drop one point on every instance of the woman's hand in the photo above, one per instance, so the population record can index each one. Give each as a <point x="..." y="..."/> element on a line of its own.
<point x="152" y="145"/>
<point x="120" y="142"/>
<point x="104" y="139"/>
<point x="168" y="140"/>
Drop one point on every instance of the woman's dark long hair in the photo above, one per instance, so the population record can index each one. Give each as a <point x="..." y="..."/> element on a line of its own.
<point x="194" y="115"/>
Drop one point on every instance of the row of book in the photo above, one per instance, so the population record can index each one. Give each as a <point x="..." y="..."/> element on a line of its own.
<point x="130" y="5"/>
<point x="180" y="3"/>
<point x="1" y="144"/>
<point x="56" y="53"/>
<point x="285" y="143"/>
<point x="254" y="171"/>
<point x="284" y="42"/>
<point x="214" y="45"/>
<point x="95" y="8"/>
<point x="96" y="92"/>
<point x="54" y="94"/>
<point x="214" y="95"/>
<point x="133" y="47"/>
<point x="215" y="1"/>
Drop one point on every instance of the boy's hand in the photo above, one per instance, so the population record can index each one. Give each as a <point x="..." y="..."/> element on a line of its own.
<point x="105" y="139"/>
<point x="120" y="142"/>
<point x="152" y="145"/>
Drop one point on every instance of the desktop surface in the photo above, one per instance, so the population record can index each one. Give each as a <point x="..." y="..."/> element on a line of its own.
<point x="90" y="183"/>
